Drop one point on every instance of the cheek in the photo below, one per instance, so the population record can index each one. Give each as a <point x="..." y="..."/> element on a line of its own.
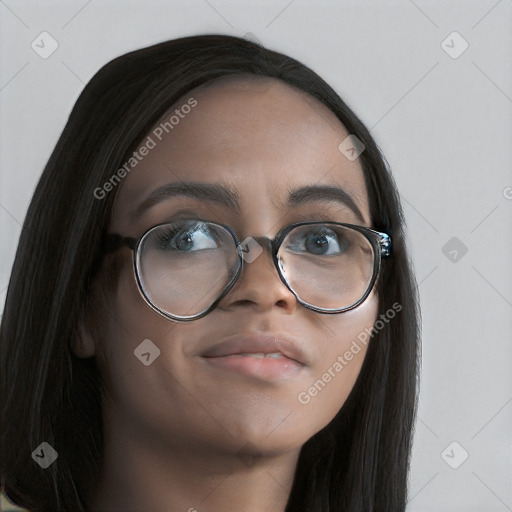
<point x="341" y="356"/>
<point x="143" y="399"/>
<point x="129" y="324"/>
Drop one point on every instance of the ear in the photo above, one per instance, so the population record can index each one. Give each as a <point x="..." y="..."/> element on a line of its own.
<point x="83" y="345"/>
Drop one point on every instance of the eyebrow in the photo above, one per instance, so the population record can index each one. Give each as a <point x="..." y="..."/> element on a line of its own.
<point x="229" y="198"/>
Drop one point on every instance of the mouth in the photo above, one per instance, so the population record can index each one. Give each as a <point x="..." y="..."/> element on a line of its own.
<point x="268" y="357"/>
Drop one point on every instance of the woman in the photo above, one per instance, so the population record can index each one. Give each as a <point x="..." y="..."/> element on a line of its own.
<point x="211" y="306"/>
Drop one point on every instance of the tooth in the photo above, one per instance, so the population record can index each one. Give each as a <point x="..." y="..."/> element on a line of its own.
<point x="274" y="355"/>
<point x="257" y="356"/>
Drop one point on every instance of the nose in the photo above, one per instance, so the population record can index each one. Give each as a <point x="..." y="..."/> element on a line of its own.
<point x="259" y="284"/>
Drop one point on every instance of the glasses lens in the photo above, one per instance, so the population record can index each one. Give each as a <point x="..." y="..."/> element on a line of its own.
<point x="186" y="265"/>
<point x="326" y="265"/>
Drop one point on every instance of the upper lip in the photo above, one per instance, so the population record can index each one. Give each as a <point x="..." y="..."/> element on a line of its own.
<point x="266" y="343"/>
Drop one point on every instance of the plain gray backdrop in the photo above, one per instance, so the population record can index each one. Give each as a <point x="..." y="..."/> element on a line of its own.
<point x="433" y="82"/>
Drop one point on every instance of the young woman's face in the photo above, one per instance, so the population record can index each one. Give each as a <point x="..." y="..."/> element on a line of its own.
<point x="261" y="139"/>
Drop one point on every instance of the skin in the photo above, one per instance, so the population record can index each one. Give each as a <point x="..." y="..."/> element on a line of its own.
<point x="180" y="436"/>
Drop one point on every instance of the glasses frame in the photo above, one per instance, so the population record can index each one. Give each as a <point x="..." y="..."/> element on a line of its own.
<point x="381" y="243"/>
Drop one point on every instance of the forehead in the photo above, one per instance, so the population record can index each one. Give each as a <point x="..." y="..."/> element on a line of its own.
<point x="262" y="137"/>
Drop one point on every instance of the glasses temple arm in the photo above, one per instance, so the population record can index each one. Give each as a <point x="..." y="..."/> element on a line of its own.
<point x="114" y="242"/>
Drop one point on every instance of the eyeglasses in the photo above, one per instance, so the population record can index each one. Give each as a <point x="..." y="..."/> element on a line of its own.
<point x="184" y="268"/>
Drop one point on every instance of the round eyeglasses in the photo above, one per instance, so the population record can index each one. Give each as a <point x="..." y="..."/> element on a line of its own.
<point x="184" y="268"/>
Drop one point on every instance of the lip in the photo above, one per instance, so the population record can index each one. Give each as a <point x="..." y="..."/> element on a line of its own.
<point x="233" y="354"/>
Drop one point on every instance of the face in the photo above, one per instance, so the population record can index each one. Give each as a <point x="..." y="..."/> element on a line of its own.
<point x="261" y="139"/>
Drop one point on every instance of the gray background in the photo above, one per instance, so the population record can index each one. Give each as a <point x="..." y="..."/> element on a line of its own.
<point x="444" y="124"/>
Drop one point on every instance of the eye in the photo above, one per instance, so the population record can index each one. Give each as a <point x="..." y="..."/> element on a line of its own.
<point x="187" y="237"/>
<point x="319" y="241"/>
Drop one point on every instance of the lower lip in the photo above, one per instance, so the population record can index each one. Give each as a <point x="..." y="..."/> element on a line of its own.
<point x="265" y="368"/>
